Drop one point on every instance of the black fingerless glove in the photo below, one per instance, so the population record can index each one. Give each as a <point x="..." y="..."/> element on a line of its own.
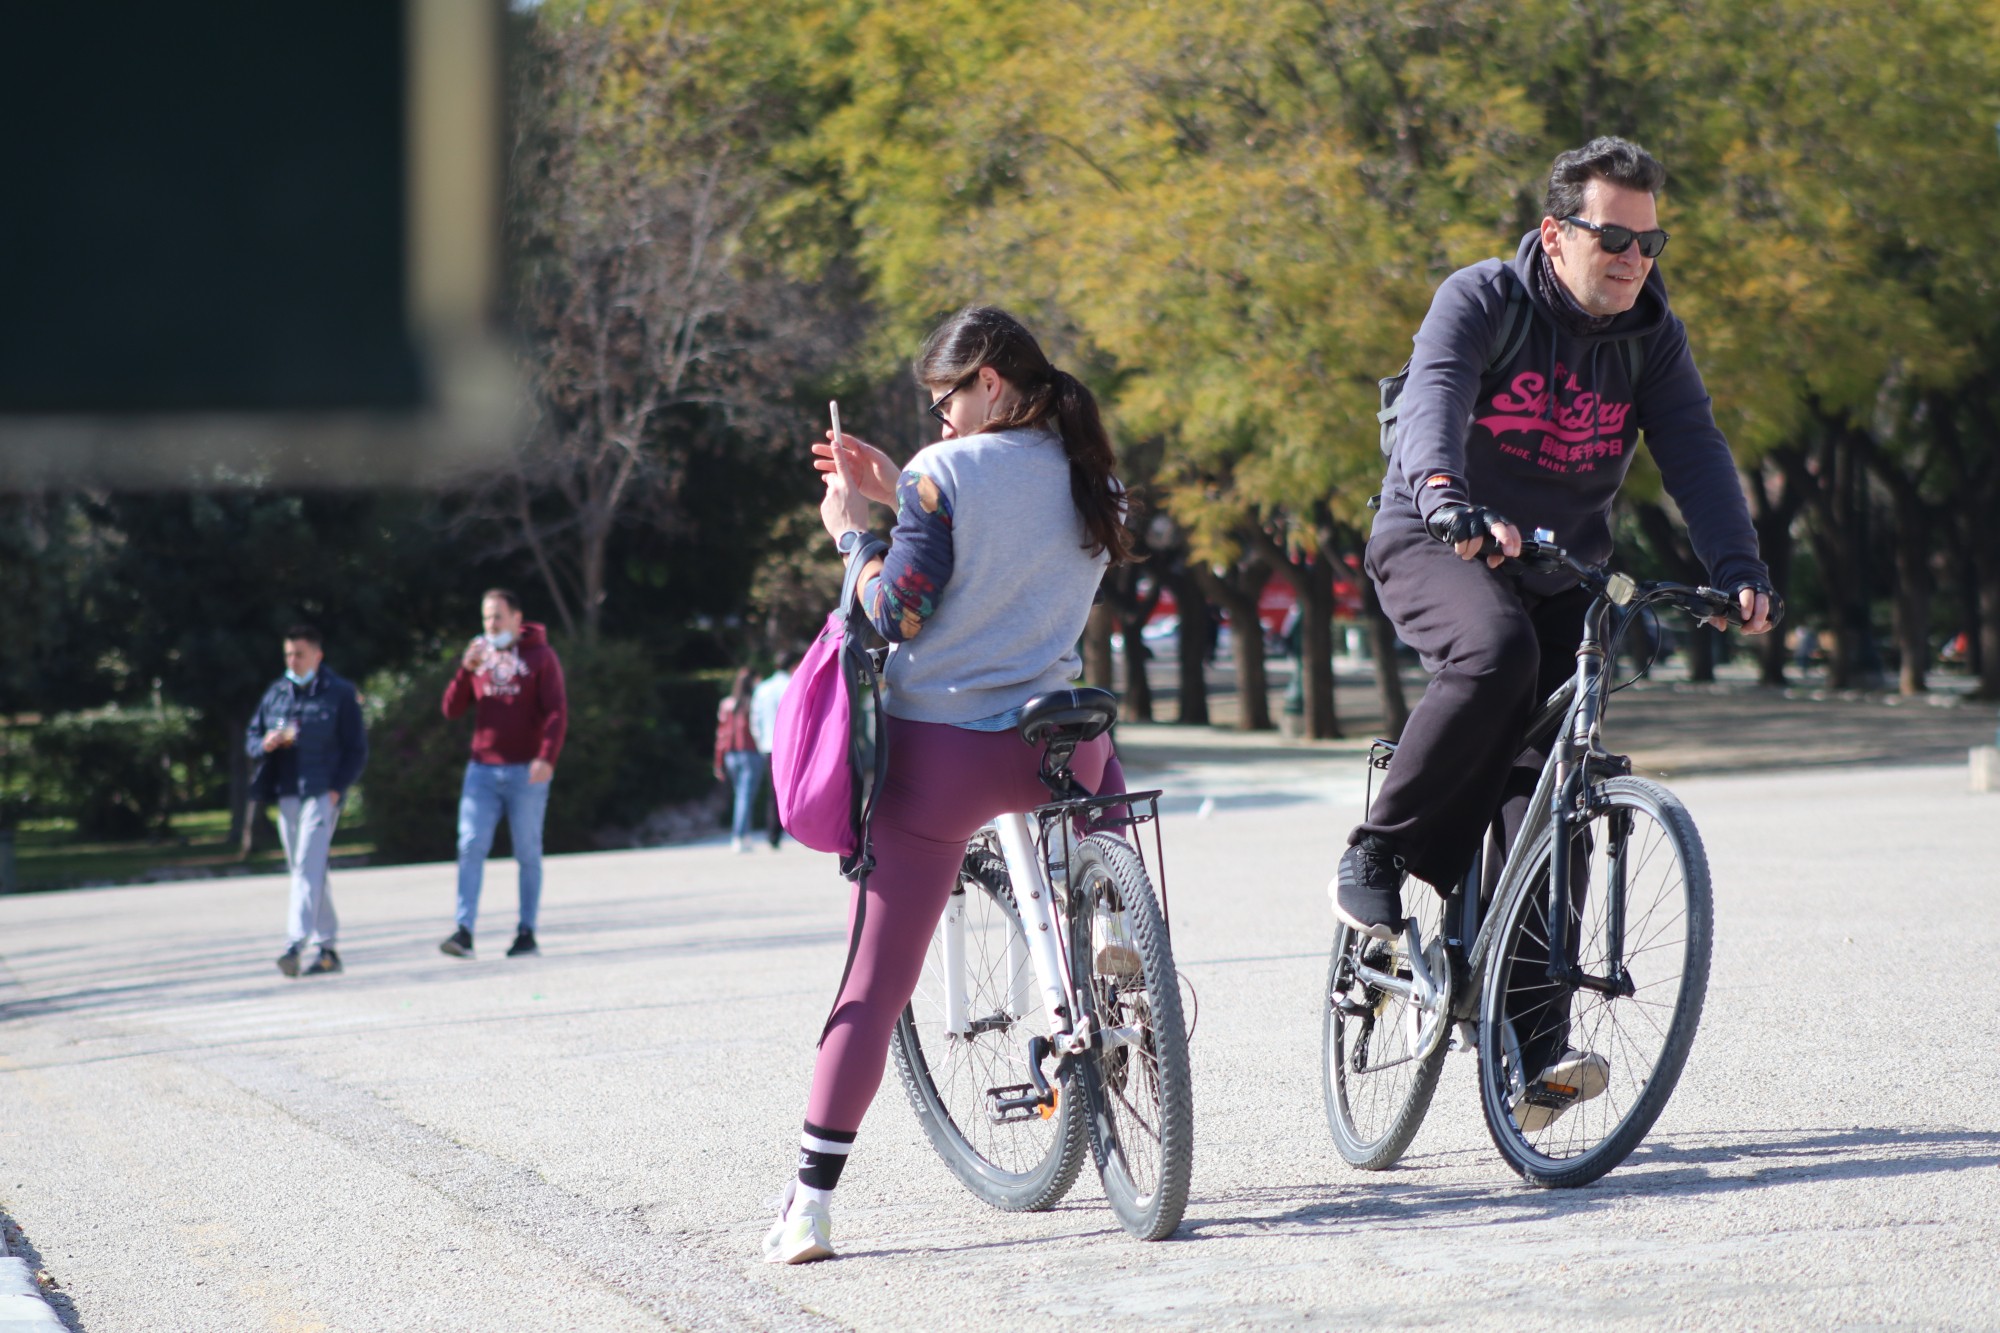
<point x="1452" y="524"/>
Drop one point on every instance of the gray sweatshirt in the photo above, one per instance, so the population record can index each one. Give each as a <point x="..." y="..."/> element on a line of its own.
<point x="988" y="580"/>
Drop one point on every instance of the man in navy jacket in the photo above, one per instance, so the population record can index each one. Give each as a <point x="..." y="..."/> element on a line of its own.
<point x="1484" y="452"/>
<point x="310" y="744"/>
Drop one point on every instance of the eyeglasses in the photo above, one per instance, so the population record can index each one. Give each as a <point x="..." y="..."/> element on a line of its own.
<point x="937" y="409"/>
<point x="1617" y="240"/>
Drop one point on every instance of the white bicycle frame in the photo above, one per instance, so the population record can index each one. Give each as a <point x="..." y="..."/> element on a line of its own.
<point x="1038" y="942"/>
<point x="1037" y="939"/>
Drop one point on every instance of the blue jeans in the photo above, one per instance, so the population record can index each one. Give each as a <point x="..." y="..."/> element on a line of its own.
<point x="746" y="774"/>
<point x="490" y="790"/>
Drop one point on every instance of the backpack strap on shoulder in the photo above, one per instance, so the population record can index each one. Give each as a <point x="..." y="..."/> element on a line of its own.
<point x="1514" y="323"/>
<point x="1633" y="350"/>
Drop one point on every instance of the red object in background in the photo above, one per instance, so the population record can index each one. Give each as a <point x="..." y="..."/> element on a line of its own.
<point x="1275" y="602"/>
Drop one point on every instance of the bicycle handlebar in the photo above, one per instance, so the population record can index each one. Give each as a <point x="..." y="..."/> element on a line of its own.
<point x="1702" y="603"/>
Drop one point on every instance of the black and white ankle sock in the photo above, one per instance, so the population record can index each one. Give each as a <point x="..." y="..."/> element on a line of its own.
<point x="822" y="1157"/>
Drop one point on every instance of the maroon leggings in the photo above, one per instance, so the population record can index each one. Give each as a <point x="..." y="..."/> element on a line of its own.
<point x="943" y="783"/>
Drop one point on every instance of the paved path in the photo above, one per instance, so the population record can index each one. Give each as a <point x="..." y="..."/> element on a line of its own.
<point x="587" y="1140"/>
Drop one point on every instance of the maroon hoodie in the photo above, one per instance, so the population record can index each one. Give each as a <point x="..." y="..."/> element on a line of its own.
<point x="522" y="711"/>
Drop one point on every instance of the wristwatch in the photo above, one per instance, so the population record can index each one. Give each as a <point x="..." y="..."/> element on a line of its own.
<point x="850" y="541"/>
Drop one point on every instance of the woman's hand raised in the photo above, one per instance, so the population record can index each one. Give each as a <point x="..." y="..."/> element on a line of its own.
<point x="843" y="508"/>
<point x="868" y="468"/>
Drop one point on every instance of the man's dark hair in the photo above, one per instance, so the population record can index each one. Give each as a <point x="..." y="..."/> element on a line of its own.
<point x="303" y="633"/>
<point x="1619" y="161"/>
<point x="504" y="594"/>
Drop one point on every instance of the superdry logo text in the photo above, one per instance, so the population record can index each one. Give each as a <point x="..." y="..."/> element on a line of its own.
<point x="1568" y="431"/>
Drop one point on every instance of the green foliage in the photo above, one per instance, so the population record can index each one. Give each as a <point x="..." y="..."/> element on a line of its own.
<point x="638" y="739"/>
<point x="116" y="773"/>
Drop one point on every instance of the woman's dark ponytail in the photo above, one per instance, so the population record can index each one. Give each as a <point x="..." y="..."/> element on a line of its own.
<point x="1098" y="496"/>
<point x="988" y="336"/>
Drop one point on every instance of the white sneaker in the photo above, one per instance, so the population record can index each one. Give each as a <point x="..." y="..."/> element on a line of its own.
<point x="1576" y="1077"/>
<point x="736" y="845"/>
<point x="801" y="1235"/>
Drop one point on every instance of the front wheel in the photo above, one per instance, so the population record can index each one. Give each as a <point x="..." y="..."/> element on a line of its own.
<point x="1136" y="1082"/>
<point x="1576" y="1063"/>
<point x="965" y="1033"/>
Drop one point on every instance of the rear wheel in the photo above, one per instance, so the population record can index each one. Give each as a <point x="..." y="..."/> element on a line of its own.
<point x="1028" y="1162"/>
<point x="1382" y="1050"/>
<point x="1618" y="1029"/>
<point x="1136" y="1083"/>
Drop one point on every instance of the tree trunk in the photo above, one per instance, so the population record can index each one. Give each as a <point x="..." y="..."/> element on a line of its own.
<point x="1826" y="478"/>
<point x="1773" y="521"/>
<point x="239" y="785"/>
<point x="1312" y="584"/>
<point x="1913" y="583"/>
<point x="1195" y="640"/>
<point x="1237" y="596"/>
<point x="1987" y="562"/>
<point x="1678" y="555"/>
<point x="1388" y="671"/>
<point x="1701" y="654"/>
<point x="1131" y="610"/>
<point x="1316" y="650"/>
<point x="1097" y="647"/>
<point x="595" y="538"/>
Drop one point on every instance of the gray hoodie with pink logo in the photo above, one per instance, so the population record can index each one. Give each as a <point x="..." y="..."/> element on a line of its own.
<point x="1546" y="440"/>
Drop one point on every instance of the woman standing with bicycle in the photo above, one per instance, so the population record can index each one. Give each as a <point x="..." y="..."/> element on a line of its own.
<point x="1003" y="531"/>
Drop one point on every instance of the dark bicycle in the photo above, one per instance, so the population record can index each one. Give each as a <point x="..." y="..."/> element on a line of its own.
<point x="1576" y="966"/>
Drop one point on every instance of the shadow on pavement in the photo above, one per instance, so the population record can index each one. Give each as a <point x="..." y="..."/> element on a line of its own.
<point x="1682" y="1166"/>
<point x="20" y="1247"/>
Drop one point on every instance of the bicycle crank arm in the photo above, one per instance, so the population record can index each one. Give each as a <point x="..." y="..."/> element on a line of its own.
<point x="1421" y="988"/>
<point x="1617" y="987"/>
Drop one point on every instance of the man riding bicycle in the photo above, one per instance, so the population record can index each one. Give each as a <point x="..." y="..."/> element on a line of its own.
<point x="1530" y="382"/>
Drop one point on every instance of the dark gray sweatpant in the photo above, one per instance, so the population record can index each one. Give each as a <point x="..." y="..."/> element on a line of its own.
<point x="1494" y="650"/>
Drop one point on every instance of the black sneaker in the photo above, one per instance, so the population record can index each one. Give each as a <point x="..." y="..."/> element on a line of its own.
<point x="326" y="961"/>
<point x="459" y="945"/>
<point x="524" y="943"/>
<point x="288" y="961"/>
<point x="1367" y="890"/>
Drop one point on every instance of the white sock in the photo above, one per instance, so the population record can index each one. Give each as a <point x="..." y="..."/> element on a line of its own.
<point x="802" y="1194"/>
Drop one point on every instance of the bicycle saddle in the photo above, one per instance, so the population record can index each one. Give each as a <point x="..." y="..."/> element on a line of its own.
<point x="1082" y="715"/>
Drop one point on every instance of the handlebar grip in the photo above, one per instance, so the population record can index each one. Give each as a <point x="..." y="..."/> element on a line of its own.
<point x="1731" y="610"/>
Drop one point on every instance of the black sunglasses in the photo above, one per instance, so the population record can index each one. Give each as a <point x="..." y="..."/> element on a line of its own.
<point x="1617" y="240"/>
<point x="937" y="409"/>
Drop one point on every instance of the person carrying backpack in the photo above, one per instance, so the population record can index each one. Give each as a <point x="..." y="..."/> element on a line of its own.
<point x="1529" y="386"/>
<point x="1003" y="531"/>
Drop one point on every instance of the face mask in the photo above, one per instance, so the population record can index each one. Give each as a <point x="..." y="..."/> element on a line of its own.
<point x="501" y="641"/>
<point x="297" y="679"/>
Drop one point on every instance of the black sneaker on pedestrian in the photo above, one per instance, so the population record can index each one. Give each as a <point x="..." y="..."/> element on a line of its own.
<point x="326" y="961"/>
<point x="1367" y="890"/>
<point x="288" y="961"/>
<point x="459" y="945"/>
<point x="524" y="943"/>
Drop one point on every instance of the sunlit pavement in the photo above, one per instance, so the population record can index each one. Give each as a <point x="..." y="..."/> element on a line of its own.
<point x="587" y="1140"/>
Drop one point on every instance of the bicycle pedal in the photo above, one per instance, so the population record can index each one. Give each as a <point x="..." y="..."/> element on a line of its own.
<point x="1018" y="1102"/>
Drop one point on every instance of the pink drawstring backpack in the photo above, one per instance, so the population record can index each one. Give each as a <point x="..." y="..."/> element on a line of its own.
<point x="829" y="754"/>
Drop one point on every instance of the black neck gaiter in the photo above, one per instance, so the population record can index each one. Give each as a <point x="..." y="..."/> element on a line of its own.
<point x="1569" y="316"/>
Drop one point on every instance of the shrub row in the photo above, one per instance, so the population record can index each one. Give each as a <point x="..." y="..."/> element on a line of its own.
<point x="119" y="773"/>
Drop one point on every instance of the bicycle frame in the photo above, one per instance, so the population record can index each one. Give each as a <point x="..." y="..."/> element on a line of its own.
<point x="1576" y="711"/>
<point x="1024" y="840"/>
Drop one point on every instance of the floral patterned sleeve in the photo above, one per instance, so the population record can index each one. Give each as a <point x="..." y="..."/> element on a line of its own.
<point x="904" y="595"/>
